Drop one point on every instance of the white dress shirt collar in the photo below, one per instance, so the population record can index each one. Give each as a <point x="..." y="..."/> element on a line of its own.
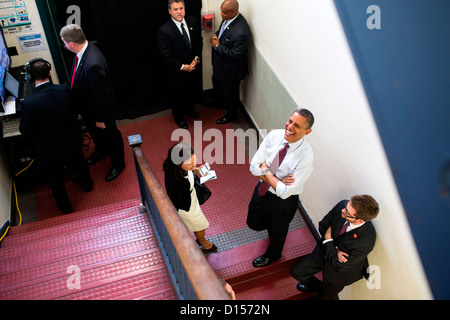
<point x="81" y="53"/>
<point x="178" y="24"/>
<point x="231" y="20"/>
<point x="294" y="145"/>
<point x="42" y="83"/>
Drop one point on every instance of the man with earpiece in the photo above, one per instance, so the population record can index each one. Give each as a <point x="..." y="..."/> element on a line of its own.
<point x="229" y="59"/>
<point x="49" y="119"/>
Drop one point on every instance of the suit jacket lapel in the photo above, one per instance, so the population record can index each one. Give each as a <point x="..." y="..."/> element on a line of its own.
<point x="81" y="64"/>
<point x="339" y="226"/>
<point x="178" y="33"/>
<point x="191" y="30"/>
<point x="355" y="232"/>
<point x="229" y="27"/>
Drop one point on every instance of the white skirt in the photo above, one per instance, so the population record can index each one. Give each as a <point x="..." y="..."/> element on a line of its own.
<point x="194" y="219"/>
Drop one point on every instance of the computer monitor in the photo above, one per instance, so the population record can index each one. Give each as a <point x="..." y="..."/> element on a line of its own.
<point x="5" y="61"/>
<point x="12" y="85"/>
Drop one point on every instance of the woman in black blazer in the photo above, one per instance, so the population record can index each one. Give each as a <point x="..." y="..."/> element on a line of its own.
<point x="179" y="169"/>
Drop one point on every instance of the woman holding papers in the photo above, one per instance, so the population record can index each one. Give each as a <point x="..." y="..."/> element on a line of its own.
<point x="179" y="169"/>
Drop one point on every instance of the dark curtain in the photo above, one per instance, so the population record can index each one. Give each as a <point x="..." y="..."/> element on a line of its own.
<point x="125" y="32"/>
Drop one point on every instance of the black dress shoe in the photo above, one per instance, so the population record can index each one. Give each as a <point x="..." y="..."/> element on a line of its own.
<point x="193" y="114"/>
<point x="303" y="288"/>
<point x="113" y="173"/>
<point x="182" y="125"/>
<point x="212" y="249"/>
<point x="262" y="261"/>
<point x="225" y="120"/>
<point x="94" y="158"/>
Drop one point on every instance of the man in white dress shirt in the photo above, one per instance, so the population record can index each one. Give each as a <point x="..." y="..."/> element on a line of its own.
<point x="275" y="199"/>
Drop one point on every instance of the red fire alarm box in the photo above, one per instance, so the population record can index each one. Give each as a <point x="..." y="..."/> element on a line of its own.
<point x="208" y="21"/>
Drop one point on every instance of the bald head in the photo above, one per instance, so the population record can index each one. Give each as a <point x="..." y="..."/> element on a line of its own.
<point x="233" y="4"/>
<point x="229" y="9"/>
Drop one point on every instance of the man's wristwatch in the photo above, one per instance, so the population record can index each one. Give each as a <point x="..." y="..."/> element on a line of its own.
<point x="215" y="48"/>
<point x="197" y="58"/>
<point x="264" y="172"/>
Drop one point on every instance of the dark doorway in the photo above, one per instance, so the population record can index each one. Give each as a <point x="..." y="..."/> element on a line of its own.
<point x="125" y="31"/>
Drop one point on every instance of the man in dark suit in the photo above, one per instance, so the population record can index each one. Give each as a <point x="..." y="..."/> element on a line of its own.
<point x="229" y="58"/>
<point x="180" y="44"/>
<point x="48" y="117"/>
<point x="95" y="100"/>
<point x="348" y="237"/>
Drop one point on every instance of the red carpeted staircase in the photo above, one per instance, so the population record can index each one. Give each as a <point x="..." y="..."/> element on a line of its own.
<point x="104" y="253"/>
<point x="111" y="253"/>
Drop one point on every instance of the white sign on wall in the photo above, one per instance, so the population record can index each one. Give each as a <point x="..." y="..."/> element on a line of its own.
<point x="31" y="42"/>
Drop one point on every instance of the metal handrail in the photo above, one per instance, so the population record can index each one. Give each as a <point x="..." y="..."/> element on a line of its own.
<point x="178" y="246"/>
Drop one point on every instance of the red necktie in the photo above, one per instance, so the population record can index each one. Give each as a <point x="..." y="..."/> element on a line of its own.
<point x="263" y="187"/>
<point x="74" y="71"/>
<point x="344" y="228"/>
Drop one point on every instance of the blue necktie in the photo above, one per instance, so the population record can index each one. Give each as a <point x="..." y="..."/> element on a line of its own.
<point x="223" y="28"/>
<point x="185" y="35"/>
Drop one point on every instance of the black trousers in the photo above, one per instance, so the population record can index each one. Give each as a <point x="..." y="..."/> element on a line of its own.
<point x="53" y="165"/>
<point x="305" y="270"/>
<point x="227" y="93"/>
<point x="183" y="100"/>
<point x="107" y="141"/>
<point x="274" y="214"/>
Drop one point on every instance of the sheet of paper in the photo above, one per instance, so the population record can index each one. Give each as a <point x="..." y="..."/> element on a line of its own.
<point x="209" y="176"/>
<point x="10" y="106"/>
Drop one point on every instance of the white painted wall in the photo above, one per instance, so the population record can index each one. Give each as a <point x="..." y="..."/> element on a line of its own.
<point x="303" y="42"/>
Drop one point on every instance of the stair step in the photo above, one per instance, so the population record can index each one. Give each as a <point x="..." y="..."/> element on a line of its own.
<point x="42" y="224"/>
<point x="259" y="273"/>
<point x="278" y="285"/>
<point x="90" y="278"/>
<point x="273" y="282"/>
<point x="75" y="249"/>
<point x="238" y="261"/>
<point x="67" y="227"/>
<point x="151" y="285"/>
<point x="113" y="248"/>
<point x="73" y="238"/>
<point x="38" y="272"/>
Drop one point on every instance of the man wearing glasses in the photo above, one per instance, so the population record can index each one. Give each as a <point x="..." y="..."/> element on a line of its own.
<point x="348" y="236"/>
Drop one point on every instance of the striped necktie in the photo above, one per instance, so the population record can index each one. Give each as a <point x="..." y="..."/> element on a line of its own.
<point x="185" y="35"/>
